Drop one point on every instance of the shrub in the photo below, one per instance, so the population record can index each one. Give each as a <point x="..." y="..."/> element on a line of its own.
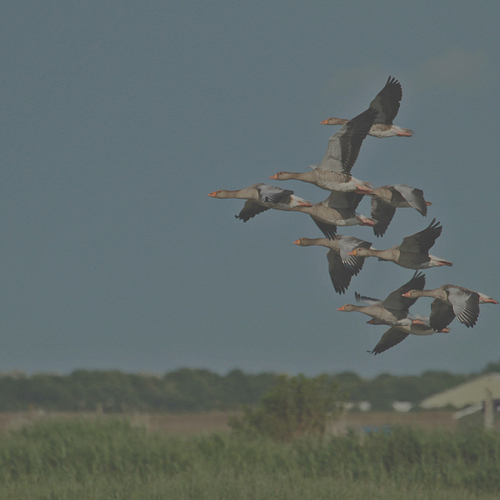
<point x="296" y="406"/>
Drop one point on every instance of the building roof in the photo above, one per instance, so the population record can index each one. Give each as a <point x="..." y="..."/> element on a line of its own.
<point x="470" y="393"/>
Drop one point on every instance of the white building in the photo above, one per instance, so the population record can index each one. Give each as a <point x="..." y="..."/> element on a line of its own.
<point x="470" y="393"/>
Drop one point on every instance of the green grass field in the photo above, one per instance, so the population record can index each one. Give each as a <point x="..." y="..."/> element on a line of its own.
<point x="110" y="459"/>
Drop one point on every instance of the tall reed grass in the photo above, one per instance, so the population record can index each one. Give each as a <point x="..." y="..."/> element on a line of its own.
<point x="111" y="459"/>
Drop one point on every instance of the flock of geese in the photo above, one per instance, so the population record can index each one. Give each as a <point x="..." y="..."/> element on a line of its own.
<point x="346" y="254"/>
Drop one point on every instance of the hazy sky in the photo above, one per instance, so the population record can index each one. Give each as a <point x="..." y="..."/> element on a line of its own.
<point x="118" y="118"/>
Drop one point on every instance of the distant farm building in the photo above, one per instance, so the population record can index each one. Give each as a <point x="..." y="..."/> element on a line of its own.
<point x="402" y="406"/>
<point x="478" y="399"/>
<point x="470" y="393"/>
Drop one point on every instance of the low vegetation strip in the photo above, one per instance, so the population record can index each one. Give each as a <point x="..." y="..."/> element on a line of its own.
<point x="195" y="390"/>
<point x="82" y="451"/>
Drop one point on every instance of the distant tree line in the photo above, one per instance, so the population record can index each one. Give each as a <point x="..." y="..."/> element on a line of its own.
<point x="195" y="390"/>
<point x="184" y="390"/>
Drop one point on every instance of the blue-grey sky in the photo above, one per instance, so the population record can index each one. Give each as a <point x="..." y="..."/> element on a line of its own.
<point x="118" y="119"/>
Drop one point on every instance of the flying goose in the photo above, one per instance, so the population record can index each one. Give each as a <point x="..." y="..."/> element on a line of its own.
<point x="387" y="103"/>
<point x="333" y="173"/>
<point x="397" y="334"/>
<point x="339" y="209"/>
<point x="394" y="313"/>
<point x="450" y="301"/>
<point x="261" y="197"/>
<point x="341" y="266"/>
<point x="386" y="199"/>
<point x="413" y="252"/>
<point x="391" y="310"/>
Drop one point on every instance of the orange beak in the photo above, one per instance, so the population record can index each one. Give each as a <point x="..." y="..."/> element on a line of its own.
<point x="274" y="177"/>
<point x="324" y="122"/>
<point x="490" y="301"/>
<point x="364" y="190"/>
<point x="304" y="204"/>
<point x="213" y="195"/>
<point x="407" y="294"/>
<point x="296" y="242"/>
<point x="354" y="252"/>
<point x="366" y="221"/>
<point x="341" y="308"/>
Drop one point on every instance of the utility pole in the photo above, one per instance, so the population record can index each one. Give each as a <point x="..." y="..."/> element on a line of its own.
<point x="488" y="410"/>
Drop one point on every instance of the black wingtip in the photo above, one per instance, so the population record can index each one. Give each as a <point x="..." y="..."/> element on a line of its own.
<point x="242" y="218"/>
